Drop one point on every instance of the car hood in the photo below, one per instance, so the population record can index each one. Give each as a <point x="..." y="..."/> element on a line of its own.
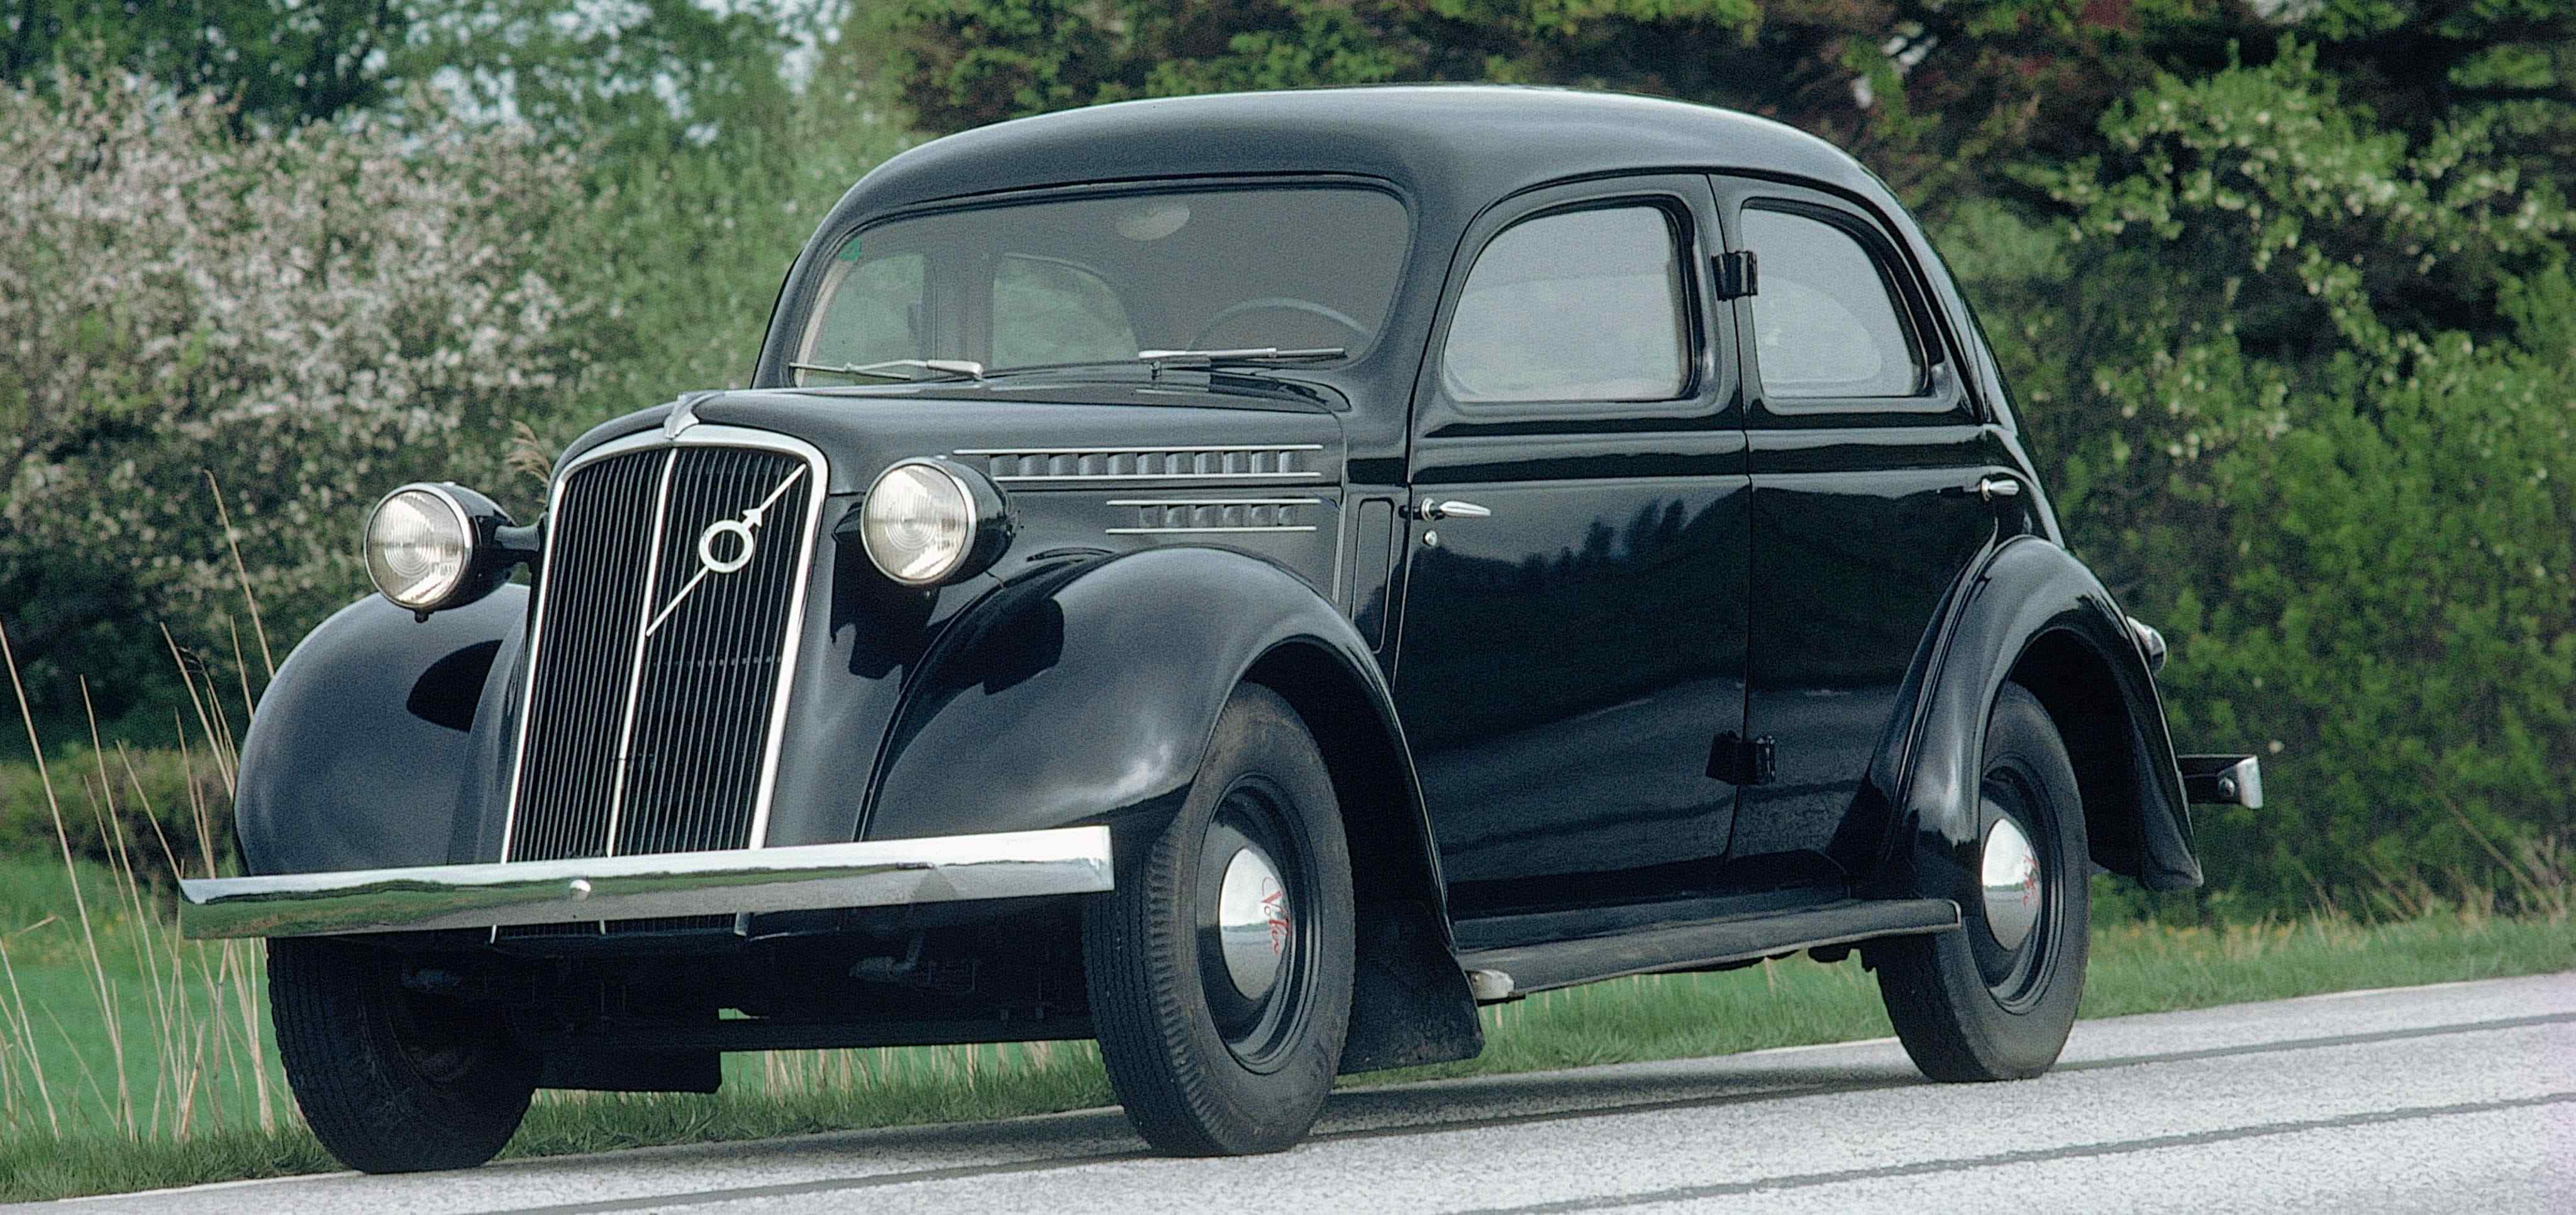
<point x="863" y="431"/>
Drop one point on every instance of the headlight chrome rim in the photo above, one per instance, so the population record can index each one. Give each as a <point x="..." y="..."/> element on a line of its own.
<point x="986" y="517"/>
<point x="455" y="584"/>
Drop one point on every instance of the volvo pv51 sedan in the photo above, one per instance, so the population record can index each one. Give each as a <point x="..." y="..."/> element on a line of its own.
<point x="1244" y="579"/>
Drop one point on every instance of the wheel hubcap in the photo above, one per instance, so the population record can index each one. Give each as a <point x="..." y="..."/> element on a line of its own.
<point x="1255" y="964"/>
<point x="2010" y="873"/>
<point x="1253" y="922"/>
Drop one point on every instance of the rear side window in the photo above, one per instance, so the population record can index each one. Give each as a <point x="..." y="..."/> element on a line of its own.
<point x="1574" y="306"/>
<point x="1825" y="322"/>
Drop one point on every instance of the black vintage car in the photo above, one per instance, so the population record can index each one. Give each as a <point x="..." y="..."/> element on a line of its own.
<point x="1246" y="579"/>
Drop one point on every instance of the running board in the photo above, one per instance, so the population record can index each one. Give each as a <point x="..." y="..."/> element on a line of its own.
<point x="1516" y="970"/>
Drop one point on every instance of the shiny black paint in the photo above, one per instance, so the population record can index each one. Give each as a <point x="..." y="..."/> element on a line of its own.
<point x="1566" y="663"/>
<point x="1811" y="556"/>
<point x="862" y="430"/>
<point x="2031" y="612"/>
<point x="356" y="759"/>
<point x="1857" y="537"/>
<point x="1864" y="520"/>
<point x="1096" y="685"/>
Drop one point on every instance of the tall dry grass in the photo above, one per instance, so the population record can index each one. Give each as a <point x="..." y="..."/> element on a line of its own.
<point x="167" y="1042"/>
<point x="202" y="1061"/>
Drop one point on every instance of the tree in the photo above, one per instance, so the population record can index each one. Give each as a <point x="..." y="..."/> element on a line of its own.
<point x="309" y="317"/>
<point x="280" y="61"/>
<point x="1923" y="90"/>
<point x="2309" y="380"/>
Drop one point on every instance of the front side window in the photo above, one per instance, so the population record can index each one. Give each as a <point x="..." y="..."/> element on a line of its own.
<point x="1099" y="279"/>
<point x="1824" y="321"/>
<point x="1573" y="306"/>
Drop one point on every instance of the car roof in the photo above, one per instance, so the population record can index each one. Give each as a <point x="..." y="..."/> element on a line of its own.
<point x="1464" y="145"/>
<point x="1452" y="150"/>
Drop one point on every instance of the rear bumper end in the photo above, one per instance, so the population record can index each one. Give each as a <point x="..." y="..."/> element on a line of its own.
<point x="2223" y="780"/>
<point x="875" y="873"/>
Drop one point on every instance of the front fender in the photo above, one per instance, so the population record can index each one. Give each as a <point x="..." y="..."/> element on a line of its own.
<point x="1089" y="692"/>
<point x="2035" y="614"/>
<point x="367" y="750"/>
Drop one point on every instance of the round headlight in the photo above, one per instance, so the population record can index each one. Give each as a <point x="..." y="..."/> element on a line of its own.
<point x="420" y="546"/>
<point x="929" y="521"/>
<point x="919" y="523"/>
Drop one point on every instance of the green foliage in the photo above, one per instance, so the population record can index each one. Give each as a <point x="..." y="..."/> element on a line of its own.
<point x="302" y="318"/>
<point x="282" y="61"/>
<point x="1924" y="90"/>
<point x="2309" y="381"/>
<point x="689" y="243"/>
<point x="154" y="812"/>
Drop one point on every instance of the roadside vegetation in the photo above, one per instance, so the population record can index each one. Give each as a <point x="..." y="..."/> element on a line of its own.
<point x="198" y="1097"/>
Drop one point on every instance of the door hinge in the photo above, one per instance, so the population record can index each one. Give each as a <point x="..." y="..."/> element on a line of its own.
<point x="1743" y="761"/>
<point x="1738" y="274"/>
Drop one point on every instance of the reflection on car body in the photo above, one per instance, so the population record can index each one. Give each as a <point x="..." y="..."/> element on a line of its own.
<point x="1244" y="579"/>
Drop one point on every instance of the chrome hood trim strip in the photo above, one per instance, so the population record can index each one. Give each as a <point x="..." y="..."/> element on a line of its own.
<point x="876" y="873"/>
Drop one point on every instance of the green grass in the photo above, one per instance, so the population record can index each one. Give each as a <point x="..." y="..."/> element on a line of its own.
<point x="56" y="1011"/>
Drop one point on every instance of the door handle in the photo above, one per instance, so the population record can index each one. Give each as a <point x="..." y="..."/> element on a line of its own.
<point x="1452" y="509"/>
<point x="1989" y="489"/>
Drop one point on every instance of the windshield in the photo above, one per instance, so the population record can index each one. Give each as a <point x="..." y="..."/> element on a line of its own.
<point x="1307" y="269"/>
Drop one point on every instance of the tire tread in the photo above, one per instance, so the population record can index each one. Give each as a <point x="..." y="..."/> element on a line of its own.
<point x="363" y="1100"/>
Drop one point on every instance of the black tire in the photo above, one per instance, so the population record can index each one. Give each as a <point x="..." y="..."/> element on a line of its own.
<point x="1967" y="1007"/>
<point x="392" y="1081"/>
<point x="1203" y="1069"/>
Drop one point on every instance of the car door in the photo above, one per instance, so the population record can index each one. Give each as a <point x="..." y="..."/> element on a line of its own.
<point x="1572" y="632"/>
<point x="1865" y="455"/>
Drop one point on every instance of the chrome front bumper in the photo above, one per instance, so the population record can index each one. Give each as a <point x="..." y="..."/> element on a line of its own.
<point x="877" y="873"/>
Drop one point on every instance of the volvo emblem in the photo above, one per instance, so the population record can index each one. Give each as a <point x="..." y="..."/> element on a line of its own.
<point x="740" y="534"/>
<point x="740" y="529"/>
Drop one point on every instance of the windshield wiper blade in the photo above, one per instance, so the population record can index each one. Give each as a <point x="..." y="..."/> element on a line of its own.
<point x="1156" y="362"/>
<point x="888" y="370"/>
<point x="1241" y="356"/>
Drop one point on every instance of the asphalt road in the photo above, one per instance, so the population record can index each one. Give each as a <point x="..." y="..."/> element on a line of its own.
<point x="2453" y="1098"/>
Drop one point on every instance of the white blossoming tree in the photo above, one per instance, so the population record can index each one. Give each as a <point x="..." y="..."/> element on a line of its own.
<point x="305" y="318"/>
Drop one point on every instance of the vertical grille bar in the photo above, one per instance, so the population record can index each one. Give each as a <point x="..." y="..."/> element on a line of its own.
<point x="568" y="761"/>
<point x="644" y="611"/>
<point x="662" y="651"/>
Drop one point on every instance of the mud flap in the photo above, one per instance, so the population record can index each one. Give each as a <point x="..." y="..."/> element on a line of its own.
<point x="1409" y="1000"/>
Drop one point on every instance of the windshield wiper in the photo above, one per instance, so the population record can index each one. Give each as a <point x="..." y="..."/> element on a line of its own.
<point x="900" y="369"/>
<point x="1247" y="356"/>
<point x="1159" y="361"/>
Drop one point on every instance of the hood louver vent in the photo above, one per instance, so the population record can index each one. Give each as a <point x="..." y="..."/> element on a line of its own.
<point x="1080" y="465"/>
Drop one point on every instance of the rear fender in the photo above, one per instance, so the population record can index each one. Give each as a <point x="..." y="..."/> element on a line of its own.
<point x="375" y="746"/>
<point x="1089" y="692"/>
<point x="2033" y="614"/>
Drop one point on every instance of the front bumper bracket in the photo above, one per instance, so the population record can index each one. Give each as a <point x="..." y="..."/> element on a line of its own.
<point x="2223" y="780"/>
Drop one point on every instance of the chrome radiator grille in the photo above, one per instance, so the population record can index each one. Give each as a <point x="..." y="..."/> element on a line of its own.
<point x="666" y="623"/>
